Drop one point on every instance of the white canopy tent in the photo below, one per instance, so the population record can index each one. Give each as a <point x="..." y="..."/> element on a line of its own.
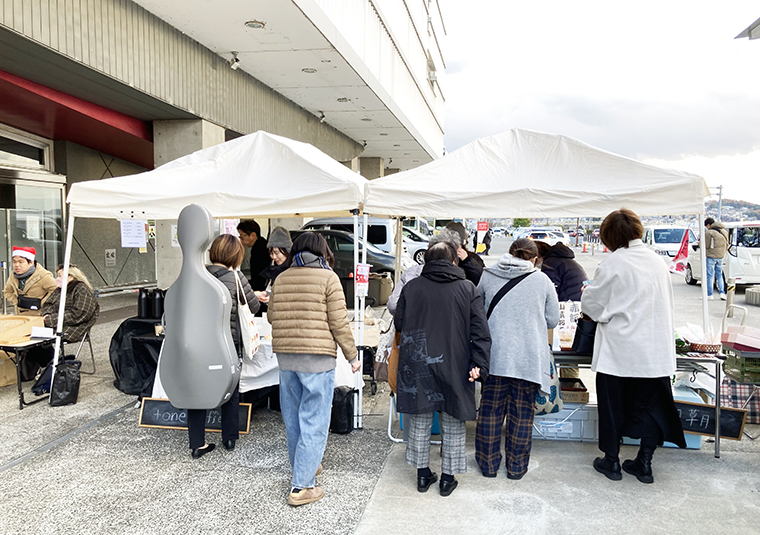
<point x="258" y="175"/>
<point x="522" y="173"/>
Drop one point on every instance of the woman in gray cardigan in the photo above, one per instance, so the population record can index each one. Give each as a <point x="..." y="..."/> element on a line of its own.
<point x="520" y="358"/>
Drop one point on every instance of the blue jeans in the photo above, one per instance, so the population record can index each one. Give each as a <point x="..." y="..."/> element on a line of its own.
<point x="306" y="405"/>
<point x="715" y="272"/>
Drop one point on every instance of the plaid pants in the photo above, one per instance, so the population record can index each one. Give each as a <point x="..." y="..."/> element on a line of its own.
<point x="453" y="459"/>
<point x="513" y="399"/>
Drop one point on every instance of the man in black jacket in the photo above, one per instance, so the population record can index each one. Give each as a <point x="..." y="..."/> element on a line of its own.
<point x="257" y="253"/>
<point x="565" y="272"/>
<point x="445" y="346"/>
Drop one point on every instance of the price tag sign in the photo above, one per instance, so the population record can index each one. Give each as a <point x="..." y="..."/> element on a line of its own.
<point x="362" y="280"/>
<point x="133" y="233"/>
<point x="483" y="226"/>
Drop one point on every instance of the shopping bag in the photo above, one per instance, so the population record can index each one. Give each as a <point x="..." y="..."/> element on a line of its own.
<point x="550" y="402"/>
<point x="248" y="331"/>
<point x="585" y="332"/>
<point x="65" y="387"/>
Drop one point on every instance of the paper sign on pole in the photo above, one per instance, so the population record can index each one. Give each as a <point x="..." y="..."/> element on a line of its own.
<point x="482" y="226"/>
<point x="362" y="279"/>
<point x="133" y="233"/>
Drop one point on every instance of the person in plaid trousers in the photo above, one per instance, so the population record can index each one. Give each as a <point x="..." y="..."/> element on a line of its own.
<point x="520" y="358"/>
<point x="445" y="346"/>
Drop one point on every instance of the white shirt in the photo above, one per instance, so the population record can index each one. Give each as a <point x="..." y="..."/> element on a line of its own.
<point x="631" y="298"/>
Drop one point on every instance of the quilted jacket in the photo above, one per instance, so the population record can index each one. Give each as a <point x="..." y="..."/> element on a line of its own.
<point x="308" y="314"/>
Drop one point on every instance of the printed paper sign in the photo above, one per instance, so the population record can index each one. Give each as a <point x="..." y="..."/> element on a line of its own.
<point x="175" y="240"/>
<point x="133" y="233"/>
<point x="483" y="225"/>
<point x="33" y="227"/>
<point x="230" y="226"/>
<point x="110" y="257"/>
<point x="362" y="279"/>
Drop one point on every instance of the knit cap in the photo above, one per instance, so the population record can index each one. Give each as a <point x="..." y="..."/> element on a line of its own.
<point x="279" y="237"/>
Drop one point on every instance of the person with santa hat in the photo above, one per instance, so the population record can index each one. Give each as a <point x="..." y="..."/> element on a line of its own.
<point x="30" y="285"/>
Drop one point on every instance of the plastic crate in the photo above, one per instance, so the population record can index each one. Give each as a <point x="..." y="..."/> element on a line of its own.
<point x="742" y="366"/>
<point x="577" y="422"/>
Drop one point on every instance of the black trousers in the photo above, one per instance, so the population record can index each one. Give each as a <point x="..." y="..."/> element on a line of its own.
<point x="196" y="422"/>
<point x="636" y="407"/>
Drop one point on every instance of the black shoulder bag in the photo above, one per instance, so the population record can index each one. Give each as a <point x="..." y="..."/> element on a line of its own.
<point x="503" y="291"/>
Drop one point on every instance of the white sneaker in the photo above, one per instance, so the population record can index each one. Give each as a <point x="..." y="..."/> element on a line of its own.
<point x="722" y="297"/>
<point x="711" y="298"/>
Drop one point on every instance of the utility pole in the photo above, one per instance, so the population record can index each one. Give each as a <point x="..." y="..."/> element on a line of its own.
<point x="720" y="201"/>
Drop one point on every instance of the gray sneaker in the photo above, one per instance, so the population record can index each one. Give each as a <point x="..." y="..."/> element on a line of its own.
<point x="711" y="298"/>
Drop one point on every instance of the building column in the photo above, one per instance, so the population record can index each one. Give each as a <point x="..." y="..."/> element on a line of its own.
<point x="371" y="168"/>
<point x="172" y="140"/>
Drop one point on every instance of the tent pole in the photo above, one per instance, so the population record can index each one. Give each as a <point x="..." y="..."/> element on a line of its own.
<point x="703" y="256"/>
<point x="358" y="379"/>
<point x="399" y="249"/>
<point x="62" y="303"/>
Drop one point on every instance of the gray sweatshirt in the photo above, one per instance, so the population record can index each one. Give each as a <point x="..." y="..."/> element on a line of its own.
<point x="519" y="322"/>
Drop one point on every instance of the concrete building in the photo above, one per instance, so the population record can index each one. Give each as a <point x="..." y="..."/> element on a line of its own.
<point x="103" y="88"/>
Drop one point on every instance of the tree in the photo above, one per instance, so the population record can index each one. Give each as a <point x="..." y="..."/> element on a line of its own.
<point x="521" y="222"/>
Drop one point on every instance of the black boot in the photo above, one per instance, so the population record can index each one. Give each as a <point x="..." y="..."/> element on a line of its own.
<point x="641" y="467"/>
<point x="609" y="466"/>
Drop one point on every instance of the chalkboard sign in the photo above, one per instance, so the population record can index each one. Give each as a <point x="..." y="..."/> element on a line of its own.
<point x="699" y="419"/>
<point x="159" y="413"/>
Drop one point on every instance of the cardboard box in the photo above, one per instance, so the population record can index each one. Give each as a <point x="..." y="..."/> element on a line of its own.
<point x="7" y="370"/>
<point x="573" y="390"/>
<point x="740" y="341"/>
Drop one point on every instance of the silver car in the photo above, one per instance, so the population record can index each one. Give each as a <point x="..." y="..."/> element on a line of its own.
<point x="415" y="243"/>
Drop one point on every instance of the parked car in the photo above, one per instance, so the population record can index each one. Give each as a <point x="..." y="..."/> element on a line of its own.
<point x="742" y="261"/>
<point x="548" y="236"/>
<point x="665" y="240"/>
<point x="381" y="234"/>
<point x="341" y="244"/>
<point x="416" y="243"/>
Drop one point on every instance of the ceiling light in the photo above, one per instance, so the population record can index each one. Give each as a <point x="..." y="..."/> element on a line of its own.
<point x="396" y="145"/>
<point x="326" y="61"/>
<point x="343" y="99"/>
<point x="383" y="133"/>
<point x="366" y="119"/>
<point x="309" y="70"/>
<point x="321" y="117"/>
<point x="234" y="62"/>
<point x="256" y="24"/>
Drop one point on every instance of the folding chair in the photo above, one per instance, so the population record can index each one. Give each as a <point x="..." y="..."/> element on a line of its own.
<point x="393" y="415"/>
<point x="92" y="352"/>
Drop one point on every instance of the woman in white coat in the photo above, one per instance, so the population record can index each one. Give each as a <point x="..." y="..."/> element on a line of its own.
<point x="631" y="300"/>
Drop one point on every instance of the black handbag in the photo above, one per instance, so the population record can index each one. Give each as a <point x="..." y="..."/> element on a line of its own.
<point x="42" y="385"/>
<point x="583" y="342"/>
<point x="65" y="387"/>
<point x="342" y="417"/>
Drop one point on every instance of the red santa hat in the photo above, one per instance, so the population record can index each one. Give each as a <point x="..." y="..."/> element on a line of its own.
<point x="25" y="252"/>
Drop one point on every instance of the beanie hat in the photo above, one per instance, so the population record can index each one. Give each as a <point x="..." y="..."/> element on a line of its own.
<point x="459" y="229"/>
<point x="25" y="252"/>
<point x="280" y="237"/>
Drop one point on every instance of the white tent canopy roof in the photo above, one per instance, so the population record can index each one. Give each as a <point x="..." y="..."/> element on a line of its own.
<point x="260" y="175"/>
<point x="522" y="173"/>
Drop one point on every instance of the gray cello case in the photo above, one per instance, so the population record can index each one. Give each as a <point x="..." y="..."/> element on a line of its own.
<point x="198" y="367"/>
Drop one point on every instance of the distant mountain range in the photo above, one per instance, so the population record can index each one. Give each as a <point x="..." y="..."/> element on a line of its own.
<point x="733" y="210"/>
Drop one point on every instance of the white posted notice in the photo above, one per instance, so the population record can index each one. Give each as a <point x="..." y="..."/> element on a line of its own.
<point x="133" y="233"/>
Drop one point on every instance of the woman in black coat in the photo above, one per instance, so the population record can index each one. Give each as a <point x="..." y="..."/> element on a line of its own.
<point x="560" y="266"/>
<point x="445" y="347"/>
<point x="226" y="255"/>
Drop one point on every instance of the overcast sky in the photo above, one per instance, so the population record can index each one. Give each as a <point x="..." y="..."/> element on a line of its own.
<point x="664" y="82"/>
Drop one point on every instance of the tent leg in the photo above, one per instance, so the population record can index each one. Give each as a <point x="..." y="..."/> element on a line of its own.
<point x="62" y="304"/>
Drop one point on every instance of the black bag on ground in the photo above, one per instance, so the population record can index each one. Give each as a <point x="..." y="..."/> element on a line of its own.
<point x="583" y="342"/>
<point x="65" y="390"/>
<point x="342" y="418"/>
<point x="42" y="385"/>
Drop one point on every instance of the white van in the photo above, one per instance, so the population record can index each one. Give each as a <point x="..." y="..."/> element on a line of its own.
<point x="665" y="240"/>
<point x="741" y="263"/>
<point x="381" y="234"/>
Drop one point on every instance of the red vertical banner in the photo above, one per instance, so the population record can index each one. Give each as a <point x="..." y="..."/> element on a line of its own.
<point x="678" y="265"/>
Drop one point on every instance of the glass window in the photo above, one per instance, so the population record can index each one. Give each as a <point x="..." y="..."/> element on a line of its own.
<point x="20" y="154"/>
<point x="748" y="237"/>
<point x="35" y="219"/>
<point x="671" y="235"/>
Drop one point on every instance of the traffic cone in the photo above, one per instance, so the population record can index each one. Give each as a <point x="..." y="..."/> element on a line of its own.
<point x="605" y="249"/>
<point x="584" y="248"/>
